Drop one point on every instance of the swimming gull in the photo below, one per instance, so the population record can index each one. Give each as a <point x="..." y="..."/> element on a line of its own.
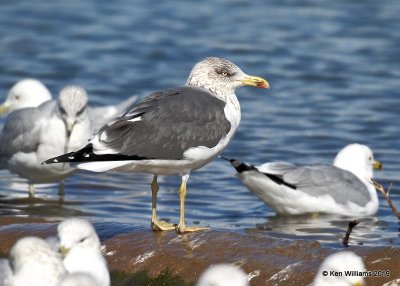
<point x="32" y="93"/>
<point x="344" y="188"/>
<point x="33" y="262"/>
<point x="81" y="247"/>
<point x="172" y="132"/>
<point x="30" y="135"/>
<point x="333" y="269"/>
<point x="223" y="275"/>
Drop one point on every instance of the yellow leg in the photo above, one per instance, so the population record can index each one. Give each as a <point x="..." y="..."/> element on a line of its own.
<point x="182" y="228"/>
<point x="155" y="223"/>
<point x="31" y="190"/>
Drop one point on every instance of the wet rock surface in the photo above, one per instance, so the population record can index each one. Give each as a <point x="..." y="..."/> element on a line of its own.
<point x="274" y="261"/>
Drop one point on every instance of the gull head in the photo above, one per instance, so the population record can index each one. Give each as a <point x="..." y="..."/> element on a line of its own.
<point x="72" y="104"/>
<point x="223" y="275"/>
<point x="338" y="263"/>
<point x="222" y="77"/>
<point x="357" y="159"/>
<point x="77" y="234"/>
<point x="25" y="93"/>
<point x="35" y="253"/>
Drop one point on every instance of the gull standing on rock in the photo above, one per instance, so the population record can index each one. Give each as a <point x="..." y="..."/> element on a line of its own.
<point x="32" y="262"/>
<point x="30" y="135"/>
<point x="81" y="248"/>
<point x="333" y="268"/>
<point x="32" y="93"/>
<point x="344" y="188"/>
<point x="224" y="275"/>
<point x="171" y="132"/>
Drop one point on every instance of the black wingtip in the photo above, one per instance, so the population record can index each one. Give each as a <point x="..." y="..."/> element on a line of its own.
<point x="60" y="159"/>
<point x="238" y="165"/>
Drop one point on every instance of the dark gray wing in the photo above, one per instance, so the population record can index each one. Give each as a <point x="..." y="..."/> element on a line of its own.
<point x="166" y="124"/>
<point x="319" y="180"/>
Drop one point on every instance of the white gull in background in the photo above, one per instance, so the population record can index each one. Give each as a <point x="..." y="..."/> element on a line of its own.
<point x="32" y="93"/>
<point x="223" y="275"/>
<point x="30" y="135"/>
<point x="32" y="262"/>
<point x="81" y="248"/>
<point x="339" y="263"/>
<point x="344" y="188"/>
<point x="171" y="132"/>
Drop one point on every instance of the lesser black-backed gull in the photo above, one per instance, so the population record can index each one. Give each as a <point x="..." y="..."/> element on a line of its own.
<point x="344" y="188"/>
<point x="30" y="135"/>
<point x="172" y="132"/>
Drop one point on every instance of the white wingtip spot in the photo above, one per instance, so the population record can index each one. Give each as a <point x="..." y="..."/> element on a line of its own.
<point x="71" y="157"/>
<point x="55" y="161"/>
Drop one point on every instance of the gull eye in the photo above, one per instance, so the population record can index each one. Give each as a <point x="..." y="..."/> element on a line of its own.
<point x="224" y="73"/>
<point x="62" y="111"/>
<point x="17" y="97"/>
<point x="370" y="158"/>
<point x="82" y="240"/>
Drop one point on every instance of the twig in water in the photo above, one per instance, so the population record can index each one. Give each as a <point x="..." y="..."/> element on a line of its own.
<point x="385" y="194"/>
<point x="352" y="224"/>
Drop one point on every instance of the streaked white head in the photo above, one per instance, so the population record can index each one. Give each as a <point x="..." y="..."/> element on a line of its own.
<point x="357" y="159"/>
<point x="35" y="263"/>
<point x="223" y="275"/>
<point x="25" y="93"/>
<point x="332" y="270"/>
<point x="72" y="104"/>
<point x="221" y="77"/>
<point x="77" y="233"/>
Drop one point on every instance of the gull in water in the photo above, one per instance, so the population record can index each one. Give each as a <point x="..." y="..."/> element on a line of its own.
<point x="338" y="263"/>
<point x="32" y="93"/>
<point x="32" y="262"/>
<point x="81" y="248"/>
<point x="344" y="188"/>
<point x="25" y="93"/>
<point x="223" y="275"/>
<point x="171" y="132"/>
<point x="30" y="135"/>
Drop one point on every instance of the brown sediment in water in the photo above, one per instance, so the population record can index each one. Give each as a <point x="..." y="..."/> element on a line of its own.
<point x="278" y="261"/>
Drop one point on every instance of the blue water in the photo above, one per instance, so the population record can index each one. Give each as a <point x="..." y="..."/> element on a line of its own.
<point x="334" y="70"/>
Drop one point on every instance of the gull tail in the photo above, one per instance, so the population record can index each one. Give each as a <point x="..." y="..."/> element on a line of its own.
<point x="238" y="165"/>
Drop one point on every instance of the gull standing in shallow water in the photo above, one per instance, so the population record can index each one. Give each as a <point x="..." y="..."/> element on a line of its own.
<point x="30" y="135"/>
<point x="344" y="188"/>
<point x="32" y="93"/>
<point x="171" y="132"/>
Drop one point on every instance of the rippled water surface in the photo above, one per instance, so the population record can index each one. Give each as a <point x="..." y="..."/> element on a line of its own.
<point x="334" y="69"/>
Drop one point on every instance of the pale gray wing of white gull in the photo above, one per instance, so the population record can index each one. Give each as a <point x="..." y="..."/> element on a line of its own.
<point x="21" y="131"/>
<point x="100" y="115"/>
<point x="319" y="180"/>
